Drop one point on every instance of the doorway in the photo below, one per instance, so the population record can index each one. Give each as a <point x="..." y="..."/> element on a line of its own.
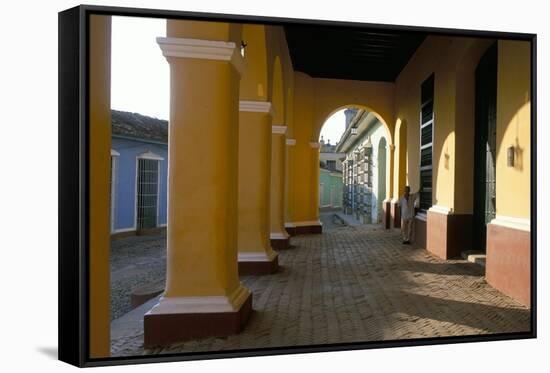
<point x="485" y="146"/>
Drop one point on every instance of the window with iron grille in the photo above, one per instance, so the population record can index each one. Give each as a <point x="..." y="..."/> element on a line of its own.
<point x="147" y="193"/>
<point x="426" y="142"/>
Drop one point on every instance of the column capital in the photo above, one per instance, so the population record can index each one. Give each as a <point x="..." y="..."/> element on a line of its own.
<point x="202" y="49"/>
<point x="315" y="145"/>
<point x="392" y="147"/>
<point x="291" y="142"/>
<point x="279" y="130"/>
<point x="256" y="106"/>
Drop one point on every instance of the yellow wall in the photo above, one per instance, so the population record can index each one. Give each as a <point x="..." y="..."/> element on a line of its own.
<point x="465" y="119"/>
<point x="301" y="174"/>
<point x="203" y="30"/>
<point x="254" y="82"/>
<point x="514" y="128"/>
<point x="335" y="94"/>
<point x="100" y="162"/>
<point x="453" y="116"/>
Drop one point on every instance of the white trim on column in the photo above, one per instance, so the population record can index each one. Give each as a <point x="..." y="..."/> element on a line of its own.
<point x="202" y="49"/>
<point x="315" y="145"/>
<point x="256" y="107"/>
<point x="114" y="153"/>
<point x="278" y="130"/>
<point x="260" y="256"/>
<point x="278" y="236"/>
<point x="421" y="216"/>
<point x="293" y="224"/>
<point x="291" y="142"/>
<point x="512" y="222"/>
<point x="206" y="304"/>
<point x="441" y="209"/>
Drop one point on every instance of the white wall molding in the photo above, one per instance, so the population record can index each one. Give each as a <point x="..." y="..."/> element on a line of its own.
<point x="150" y="155"/>
<point x="256" y="107"/>
<point x="421" y="216"/>
<point x="522" y="224"/>
<point x="441" y="209"/>
<point x="114" y="153"/>
<point x="278" y="130"/>
<point x="202" y="49"/>
<point x="206" y="304"/>
<point x="291" y="142"/>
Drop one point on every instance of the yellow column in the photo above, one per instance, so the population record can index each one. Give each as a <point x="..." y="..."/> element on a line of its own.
<point x="279" y="236"/>
<point x="304" y="188"/>
<point x="100" y="161"/>
<point x="255" y="253"/>
<point x="289" y="186"/>
<point x="202" y="284"/>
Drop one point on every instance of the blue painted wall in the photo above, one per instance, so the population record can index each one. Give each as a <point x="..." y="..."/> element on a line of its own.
<point x="125" y="180"/>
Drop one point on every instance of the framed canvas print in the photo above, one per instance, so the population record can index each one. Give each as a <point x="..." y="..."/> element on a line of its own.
<point x="233" y="186"/>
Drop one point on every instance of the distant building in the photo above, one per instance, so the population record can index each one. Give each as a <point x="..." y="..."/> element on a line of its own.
<point x="330" y="188"/>
<point x="329" y="157"/>
<point x="365" y="166"/>
<point x="330" y="176"/>
<point x="139" y="160"/>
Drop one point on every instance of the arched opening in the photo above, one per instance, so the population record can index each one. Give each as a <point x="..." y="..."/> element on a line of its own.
<point x="360" y="158"/>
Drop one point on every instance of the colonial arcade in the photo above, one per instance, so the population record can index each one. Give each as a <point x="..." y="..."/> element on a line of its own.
<point x="245" y="98"/>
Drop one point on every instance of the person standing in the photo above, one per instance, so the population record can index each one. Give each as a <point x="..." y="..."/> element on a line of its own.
<point x="406" y="207"/>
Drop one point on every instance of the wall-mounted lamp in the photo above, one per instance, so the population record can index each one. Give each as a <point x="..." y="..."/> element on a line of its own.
<point x="354" y="130"/>
<point x="243" y="47"/>
<point x="510" y="156"/>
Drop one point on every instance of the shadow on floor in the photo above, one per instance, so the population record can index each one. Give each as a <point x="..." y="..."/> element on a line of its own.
<point x="474" y="315"/>
<point x="50" y="352"/>
<point x="456" y="269"/>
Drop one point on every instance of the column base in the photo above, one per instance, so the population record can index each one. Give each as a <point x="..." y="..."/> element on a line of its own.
<point x="395" y="214"/>
<point x="304" y="227"/>
<point x="279" y="241"/>
<point x="177" y="319"/>
<point x="258" y="263"/>
<point x="508" y="265"/>
<point x="420" y="231"/>
<point x="448" y="234"/>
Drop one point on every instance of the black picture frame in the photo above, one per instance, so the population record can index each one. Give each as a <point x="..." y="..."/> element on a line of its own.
<point x="74" y="186"/>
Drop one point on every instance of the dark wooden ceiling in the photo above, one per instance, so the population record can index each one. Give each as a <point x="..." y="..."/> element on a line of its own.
<point x="351" y="53"/>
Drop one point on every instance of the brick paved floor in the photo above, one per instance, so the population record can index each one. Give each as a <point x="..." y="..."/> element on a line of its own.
<point x="359" y="283"/>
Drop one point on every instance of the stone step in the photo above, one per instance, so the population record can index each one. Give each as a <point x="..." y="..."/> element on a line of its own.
<point x="145" y="292"/>
<point x="476" y="257"/>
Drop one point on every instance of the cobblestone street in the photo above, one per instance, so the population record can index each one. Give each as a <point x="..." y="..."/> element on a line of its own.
<point x="135" y="261"/>
<point x="349" y="284"/>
